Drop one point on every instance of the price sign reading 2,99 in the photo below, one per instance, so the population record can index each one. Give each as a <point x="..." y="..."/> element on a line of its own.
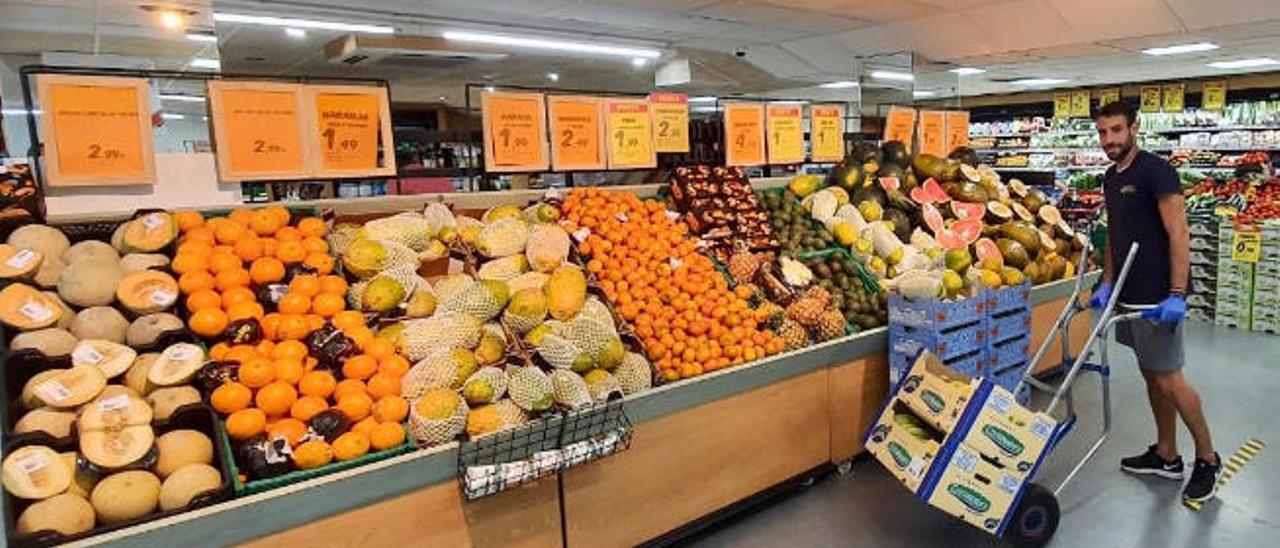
<point x="576" y="133"/>
<point x="629" y="131"/>
<point x="259" y="130"/>
<point x="515" y="131"/>
<point x="97" y="130"/>
<point x="348" y="125"/>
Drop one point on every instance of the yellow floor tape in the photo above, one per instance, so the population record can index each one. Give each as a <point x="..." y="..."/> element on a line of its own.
<point x="1232" y="466"/>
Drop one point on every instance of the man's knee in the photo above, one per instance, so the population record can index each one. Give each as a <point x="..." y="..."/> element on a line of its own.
<point x="1166" y="383"/>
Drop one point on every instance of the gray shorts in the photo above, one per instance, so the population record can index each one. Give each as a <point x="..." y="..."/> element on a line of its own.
<point x="1158" y="347"/>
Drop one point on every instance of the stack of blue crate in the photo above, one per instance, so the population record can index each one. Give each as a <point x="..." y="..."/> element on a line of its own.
<point x="954" y="331"/>
<point x="1008" y="340"/>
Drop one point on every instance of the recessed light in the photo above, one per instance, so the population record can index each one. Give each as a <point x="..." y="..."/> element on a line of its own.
<point x="201" y="37"/>
<point x="551" y="44"/>
<point x="1182" y="48"/>
<point x="639" y="62"/>
<point x="295" y="33"/>
<point x="839" y="85"/>
<point x="553" y="77"/>
<point x="920" y="94"/>
<point x="488" y="88"/>
<point x="172" y="20"/>
<point x="300" y="23"/>
<point x="1245" y="63"/>
<point x="1039" y="81"/>
<point x="892" y="75"/>
<point x="967" y="71"/>
<point x="212" y="64"/>
<point x="181" y="98"/>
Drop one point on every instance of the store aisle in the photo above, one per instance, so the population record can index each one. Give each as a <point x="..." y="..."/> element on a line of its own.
<point x="1237" y="374"/>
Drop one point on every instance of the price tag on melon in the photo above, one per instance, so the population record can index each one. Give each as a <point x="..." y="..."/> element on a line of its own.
<point x="629" y="130"/>
<point x="85" y="353"/>
<point x="21" y="259"/>
<point x="785" y="133"/>
<point x="181" y="353"/>
<point x="35" y="311"/>
<point x="582" y="234"/>
<point x="153" y="221"/>
<point x="163" y="297"/>
<point x="744" y="134"/>
<point x="33" y="463"/>
<point x="826" y="133"/>
<point x="97" y="130"/>
<point x="52" y="391"/>
<point x="114" y="403"/>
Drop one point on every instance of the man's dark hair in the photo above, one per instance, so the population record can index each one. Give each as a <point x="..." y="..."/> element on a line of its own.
<point x="1118" y="108"/>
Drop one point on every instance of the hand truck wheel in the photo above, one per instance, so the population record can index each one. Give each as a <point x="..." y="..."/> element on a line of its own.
<point x="1035" y="519"/>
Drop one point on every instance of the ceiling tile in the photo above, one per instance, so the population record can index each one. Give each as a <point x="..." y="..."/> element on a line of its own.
<point x="1123" y="19"/>
<point x="1205" y="14"/>
<point x="1022" y="25"/>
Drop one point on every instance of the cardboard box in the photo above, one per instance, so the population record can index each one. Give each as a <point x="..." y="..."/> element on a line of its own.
<point x="935" y="392"/>
<point x="1265" y="325"/>
<point x="1223" y="320"/>
<point x="1008" y="433"/>
<point x="903" y="454"/>
<point x="974" y="490"/>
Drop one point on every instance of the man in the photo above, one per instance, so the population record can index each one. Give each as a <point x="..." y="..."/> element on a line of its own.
<point x="1144" y="205"/>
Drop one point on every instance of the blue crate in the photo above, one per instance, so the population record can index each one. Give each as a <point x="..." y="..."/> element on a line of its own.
<point x="973" y="364"/>
<point x="1008" y="298"/>
<point x="946" y="344"/>
<point x="1009" y="376"/>
<point x="1008" y="353"/>
<point x="933" y="313"/>
<point x="1008" y="325"/>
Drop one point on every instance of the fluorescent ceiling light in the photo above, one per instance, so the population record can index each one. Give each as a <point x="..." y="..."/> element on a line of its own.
<point x="839" y="85"/>
<point x="182" y="98"/>
<point x="171" y="116"/>
<point x="703" y="99"/>
<point x="1245" y="63"/>
<point x="967" y="71"/>
<point x="1183" y="48"/>
<point x="554" y="77"/>
<point x="300" y="23"/>
<point x="639" y="62"/>
<point x="213" y="64"/>
<point x="549" y="44"/>
<point x="891" y="75"/>
<point x="18" y="112"/>
<point x="201" y="37"/>
<point x="488" y="88"/>
<point x="918" y="94"/>
<point x="296" y="34"/>
<point x="1039" y="81"/>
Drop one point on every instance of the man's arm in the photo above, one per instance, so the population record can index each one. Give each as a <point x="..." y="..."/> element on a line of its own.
<point x="1173" y="213"/>
<point x="1107" y="275"/>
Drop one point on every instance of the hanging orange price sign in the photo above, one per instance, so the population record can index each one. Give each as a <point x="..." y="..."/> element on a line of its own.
<point x="351" y="131"/>
<point x="744" y="134"/>
<point x="629" y="130"/>
<point x="786" y="133"/>
<point x="515" y="131"/>
<point x="670" y="121"/>
<point x="957" y="130"/>
<point x="258" y="129"/>
<point x="826" y="133"/>
<point x="576" y="133"/>
<point x="932" y="127"/>
<point x="97" y="131"/>
<point x="900" y="125"/>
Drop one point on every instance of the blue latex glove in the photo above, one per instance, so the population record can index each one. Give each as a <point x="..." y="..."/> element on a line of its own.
<point x="1100" y="296"/>
<point x="1170" y="311"/>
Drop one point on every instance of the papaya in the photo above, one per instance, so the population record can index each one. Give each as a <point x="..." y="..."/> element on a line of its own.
<point x="1024" y="234"/>
<point x="566" y="292"/>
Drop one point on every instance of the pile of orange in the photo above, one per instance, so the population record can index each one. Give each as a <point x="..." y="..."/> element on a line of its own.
<point x="682" y="308"/>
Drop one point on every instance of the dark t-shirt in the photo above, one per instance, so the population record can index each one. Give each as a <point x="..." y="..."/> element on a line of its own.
<point x="1133" y="215"/>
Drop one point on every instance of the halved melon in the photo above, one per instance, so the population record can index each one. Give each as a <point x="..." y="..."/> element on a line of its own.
<point x="1018" y="188"/>
<point x="137" y="262"/>
<point x="176" y="365"/>
<point x="149" y="233"/>
<point x="117" y="448"/>
<point x="35" y="472"/>
<point x="998" y="213"/>
<point x="19" y="264"/>
<point x="71" y="387"/>
<point x="112" y="358"/>
<point x="25" y="308"/>
<point x="1050" y="215"/>
<point x="28" y="398"/>
<point x="55" y="423"/>
<point x="970" y="173"/>
<point x="114" y="411"/>
<point x="1046" y="241"/>
<point x="1022" y="212"/>
<point x="147" y="292"/>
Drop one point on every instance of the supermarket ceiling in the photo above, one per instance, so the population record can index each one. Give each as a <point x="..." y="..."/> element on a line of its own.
<point x="787" y="47"/>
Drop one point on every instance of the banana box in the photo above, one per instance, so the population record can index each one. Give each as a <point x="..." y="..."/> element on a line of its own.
<point x="904" y="445"/>
<point x="1009" y="434"/>
<point x="935" y="392"/>
<point x="975" y="490"/>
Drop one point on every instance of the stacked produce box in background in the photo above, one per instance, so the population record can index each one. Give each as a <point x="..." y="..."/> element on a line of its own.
<point x="1203" y="289"/>
<point x="1266" y="289"/>
<point x="722" y="209"/>
<point x="1234" y="306"/>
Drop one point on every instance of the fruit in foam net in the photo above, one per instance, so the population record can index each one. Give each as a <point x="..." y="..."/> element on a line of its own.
<point x="481" y="299"/>
<point x="569" y="389"/>
<point x="382" y="294"/>
<point x="409" y="230"/>
<point x="527" y="309"/>
<point x="438" y="416"/>
<point x="634" y="374"/>
<point x="485" y="386"/>
<point x="422" y="337"/>
<point x="566" y="291"/>
<point x="530" y="389"/>
<point x="547" y="248"/>
<point x="502" y="237"/>
<point x="503" y="269"/>
<point x="602" y="385"/>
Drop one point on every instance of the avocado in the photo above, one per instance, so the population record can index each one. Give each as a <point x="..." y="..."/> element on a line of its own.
<point x="1024" y="234"/>
<point x="847" y="174"/>
<point x="895" y="153"/>
<point x="901" y="223"/>
<point x="871" y="193"/>
<point x="888" y="169"/>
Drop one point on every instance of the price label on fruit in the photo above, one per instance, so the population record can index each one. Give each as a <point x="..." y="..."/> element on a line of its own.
<point x="785" y="133"/>
<point x="258" y="128"/>
<point x="515" y="131"/>
<point x="630" y="133"/>
<point x="670" y="121"/>
<point x="932" y="127"/>
<point x="744" y="134"/>
<point x="1246" y="247"/>
<point x="826" y="133"/>
<point x="1173" y="97"/>
<point x="349" y="121"/>
<point x="576" y="131"/>
<point x="1214" y="95"/>
<point x="1150" y="99"/>
<point x="97" y="130"/>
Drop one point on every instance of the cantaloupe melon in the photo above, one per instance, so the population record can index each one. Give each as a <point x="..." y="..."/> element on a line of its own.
<point x="50" y="421"/>
<point x="66" y="514"/>
<point x="49" y="241"/>
<point x="146" y="329"/>
<point x="125" y="496"/>
<point x="187" y="483"/>
<point x="136" y="377"/>
<point x="50" y="341"/>
<point x="25" y="308"/>
<point x="35" y="472"/>
<point x="71" y="387"/>
<point x="167" y="400"/>
<point x="137" y="262"/>
<point x="178" y="448"/>
<point x="90" y="250"/>
<point x="113" y="410"/>
<point x="149" y="233"/>
<point x="19" y="264"/>
<point x="91" y="282"/>
<point x="176" y="365"/>
<point x="100" y="322"/>
<point x="50" y="272"/>
<point x="111" y="358"/>
<point x="28" y="397"/>
<point x="116" y="448"/>
<point x="147" y="292"/>
<point x="68" y="315"/>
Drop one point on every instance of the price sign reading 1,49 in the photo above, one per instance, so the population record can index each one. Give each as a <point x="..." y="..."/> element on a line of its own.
<point x="630" y="135"/>
<point x="349" y="125"/>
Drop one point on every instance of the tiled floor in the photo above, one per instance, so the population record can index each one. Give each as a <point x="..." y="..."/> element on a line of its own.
<point x="1238" y="376"/>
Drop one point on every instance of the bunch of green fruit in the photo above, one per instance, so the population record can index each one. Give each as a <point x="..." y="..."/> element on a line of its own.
<point x="796" y="231"/>
<point x="838" y="274"/>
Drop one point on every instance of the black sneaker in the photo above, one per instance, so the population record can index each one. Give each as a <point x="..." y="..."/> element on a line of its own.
<point x="1150" y="463"/>
<point x="1204" y="481"/>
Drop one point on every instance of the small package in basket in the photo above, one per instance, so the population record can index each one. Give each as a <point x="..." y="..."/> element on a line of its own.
<point x="974" y="490"/>
<point x="1008" y="433"/>
<point x="904" y="444"/>
<point x="935" y="392"/>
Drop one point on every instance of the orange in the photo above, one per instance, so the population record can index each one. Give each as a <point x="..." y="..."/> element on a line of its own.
<point x="291" y="429"/>
<point x="347" y="387"/>
<point x="230" y="397"/>
<point x="289" y="350"/>
<point x="386" y="435"/>
<point x="380" y="385"/>
<point x="305" y="284"/>
<point x="321" y="262"/>
<point x="379" y="348"/>
<point x="244" y="311"/>
<point x="270" y="325"/>
<point x="294" y="303"/>
<point x="228" y="233"/>
<point x="317" y="383"/>
<point x="218" y="352"/>
<point x="240" y="216"/>
<point x="205" y="298"/>
<point x="233" y="278"/>
<point x="224" y="250"/>
<point x="276" y="398"/>
<point x="347" y="320"/>
<point x="246" y="423"/>
<point x="293" y="327"/>
<point x="243" y="353"/>
<point x="256" y="372"/>
<point x="265" y="223"/>
<point x="249" y="248"/>
<point x="208" y="322"/>
<point x="365" y="426"/>
<point x="361" y="336"/>
<point x="313" y="226"/>
<point x="289" y="370"/>
<point x="194" y="247"/>
<point x="269" y="247"/>
<point x="355" y="406"/>
<point x="312" y="454"/>
<point x="314" y="322"/>
<point x="291" y="251"/>
<point x="264" y="347"/>
<point x="188" y="220"/>
<point x="202" y="234"/>
<point x="394" y="365"/>
<point x="326" y="305"/>
<point x="222" y="262"/>
<point x="280" y="213"/>
<point x="307" y="407"/>
<point x="315" y="245"/>
<point x="350" y="445"/>
<point x="359" y="367"/>
<point x="190" y="261"/>
<point x="289" y="234"/>
<point x="195" y="280"/>
<point x="392" y="408"/>
<point x="266" y="270"/>
<point x="333" y="285"/>
<point x="237" y="295"/>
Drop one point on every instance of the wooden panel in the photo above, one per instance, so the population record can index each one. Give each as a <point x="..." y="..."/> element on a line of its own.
<point x="525" y="517"/>
<point x="686" y="465"/>
<point x="1042" y="318"/>
<point x="857" y="389"/>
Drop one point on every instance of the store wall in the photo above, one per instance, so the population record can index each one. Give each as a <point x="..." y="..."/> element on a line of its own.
<point x="14" y="125"/>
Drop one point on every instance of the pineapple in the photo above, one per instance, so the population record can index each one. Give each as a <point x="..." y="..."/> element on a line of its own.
<point x="830" y="325"/>
<point x="819" y="293"/>
<point x="774" y="314"/>
<point x="743" y="265"/>
<point x="793" y="334"/>
<point x="806" y="311"/>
